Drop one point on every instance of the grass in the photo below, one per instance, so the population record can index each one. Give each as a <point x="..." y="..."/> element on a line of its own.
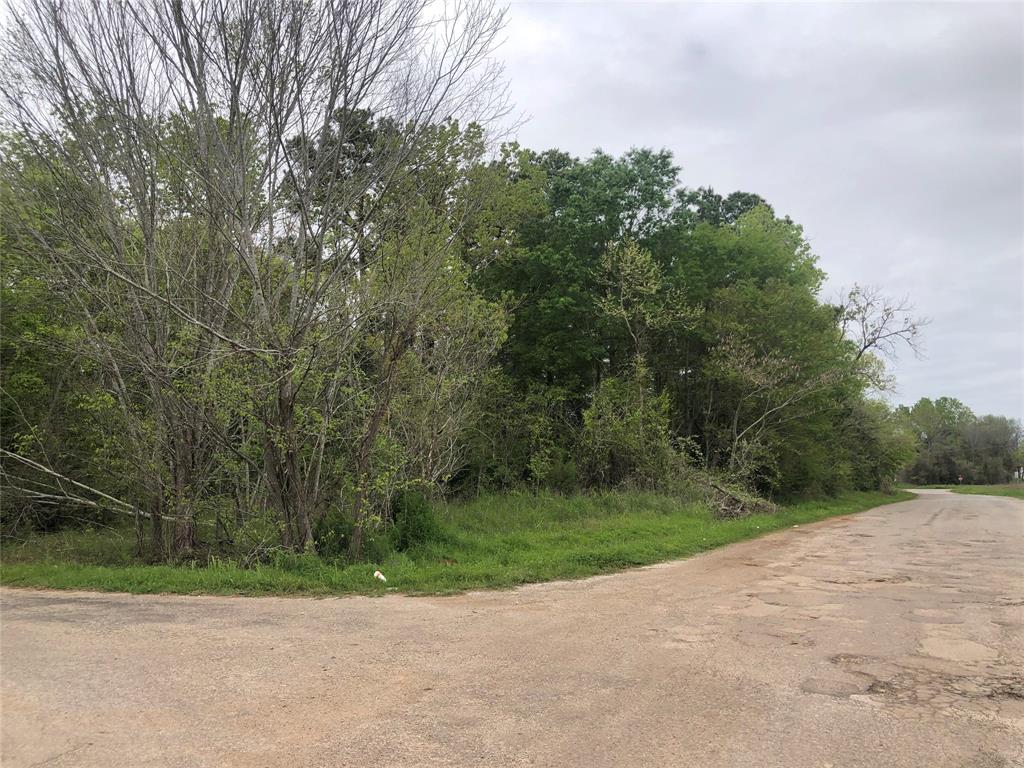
<point x="1014" y="490"/>
<point x="491" y="542"/>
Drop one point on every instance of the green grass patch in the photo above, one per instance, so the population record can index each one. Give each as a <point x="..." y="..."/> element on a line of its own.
<point x="490" y="542"/>
<point x="1014" y="490"/>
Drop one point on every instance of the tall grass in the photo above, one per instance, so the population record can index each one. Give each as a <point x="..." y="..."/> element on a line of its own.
<point x="490" y="542"/>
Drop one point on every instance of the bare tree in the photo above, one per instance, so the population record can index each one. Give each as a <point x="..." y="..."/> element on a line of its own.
<point x="220" y="192"/>
<point x="878" y="323"/>
<point x="770" y="390"/>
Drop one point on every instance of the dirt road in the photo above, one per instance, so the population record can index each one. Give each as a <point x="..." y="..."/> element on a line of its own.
<point x="890" y="638"/>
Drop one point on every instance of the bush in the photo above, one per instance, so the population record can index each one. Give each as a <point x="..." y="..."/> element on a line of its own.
<point x="333" y="534"/>
<point x="296" y="562"/>
<point x="521" y="436"/>
<point x="412" y="524"/>
<point x="414" y="521"/>
<point x="626" y="435"/>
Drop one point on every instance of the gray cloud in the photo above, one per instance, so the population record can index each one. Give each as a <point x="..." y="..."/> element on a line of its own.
<point x="893" y="133"/>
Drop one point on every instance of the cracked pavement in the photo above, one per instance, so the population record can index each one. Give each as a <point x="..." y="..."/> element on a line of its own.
<point x="890" y="638"/>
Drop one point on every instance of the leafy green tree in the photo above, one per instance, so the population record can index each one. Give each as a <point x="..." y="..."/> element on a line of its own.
<point x="556" y="283"/>
<point x="937" y="425"/>
<point x="990" y="447"/>
<point x="707" y="206"/>
<point x="951" y="442"/>
<point x="640" y="300"/>
<point x="625" y="436"/>
<point x="777" y="365"/>
<point x="876" y="444"/>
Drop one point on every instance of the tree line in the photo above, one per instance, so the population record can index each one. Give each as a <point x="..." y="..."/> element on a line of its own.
<point x="267" y="272"/>
<point x="953" y="445"/>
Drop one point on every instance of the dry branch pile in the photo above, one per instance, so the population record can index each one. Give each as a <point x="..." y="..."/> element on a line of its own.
<point x="730" y="504"/>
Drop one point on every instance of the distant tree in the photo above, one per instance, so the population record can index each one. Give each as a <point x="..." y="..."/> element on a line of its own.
<point x="990" y="447"/>
<point x="952" y="443"/>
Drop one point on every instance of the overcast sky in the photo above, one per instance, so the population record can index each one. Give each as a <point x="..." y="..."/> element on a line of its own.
<point x="893" y="133"/>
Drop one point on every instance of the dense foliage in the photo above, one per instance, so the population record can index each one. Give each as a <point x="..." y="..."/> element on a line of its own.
<point x="257" y="302"/>
<point x="653" y="326"/>
<point x="955" y="446"/>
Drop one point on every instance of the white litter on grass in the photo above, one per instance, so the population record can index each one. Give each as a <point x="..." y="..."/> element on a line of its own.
<point x="379" y="575"/>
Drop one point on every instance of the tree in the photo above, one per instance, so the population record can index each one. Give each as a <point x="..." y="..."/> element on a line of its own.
<point x="639" y="299"/>
<point x="704" y="205"/>
<point x="938" y="426"/>
<point x="557" y="279"/>
<point x="53" y="411"/>
<point x="625" y="436"/>
<point x="219" y="194"/>
<point x="876" y="444"/>
<point x="990" y="445"/>
<point x="951" y="442"/>
<point x="876" y="323"/>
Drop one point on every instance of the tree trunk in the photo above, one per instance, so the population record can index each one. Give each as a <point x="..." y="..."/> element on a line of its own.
<point x="140" y="535"/>
<point x="184" y="541"/>
<point x="285" y="481"/>
<point x="275" y="488"/>
<point x="156" y="520"/>
<point x="399" y="342"/>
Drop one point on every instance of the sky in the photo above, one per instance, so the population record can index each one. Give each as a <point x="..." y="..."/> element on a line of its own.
<point x="893" y="133"/>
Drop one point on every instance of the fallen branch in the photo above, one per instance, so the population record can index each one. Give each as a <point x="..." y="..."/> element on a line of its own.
<point x="731" y="505"/>
<point x="114" y="504"/>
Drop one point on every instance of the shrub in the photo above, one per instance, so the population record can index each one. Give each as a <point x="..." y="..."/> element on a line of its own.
<point x="626" y="435"/>
<point x="412" y="524"/>
<point x="553" y="467"/>
<point x="521" y="436"/>
<point x="333" y="533"/>
<point x="414" y="521"/>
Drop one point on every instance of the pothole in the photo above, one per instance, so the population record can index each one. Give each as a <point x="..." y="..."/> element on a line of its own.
<point x="927" y="687"/>
<point x="831" y="687"/>
<point x="853" y="658"/>
<point x="922" y="687"/>
<point x="1008" y="689"/>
